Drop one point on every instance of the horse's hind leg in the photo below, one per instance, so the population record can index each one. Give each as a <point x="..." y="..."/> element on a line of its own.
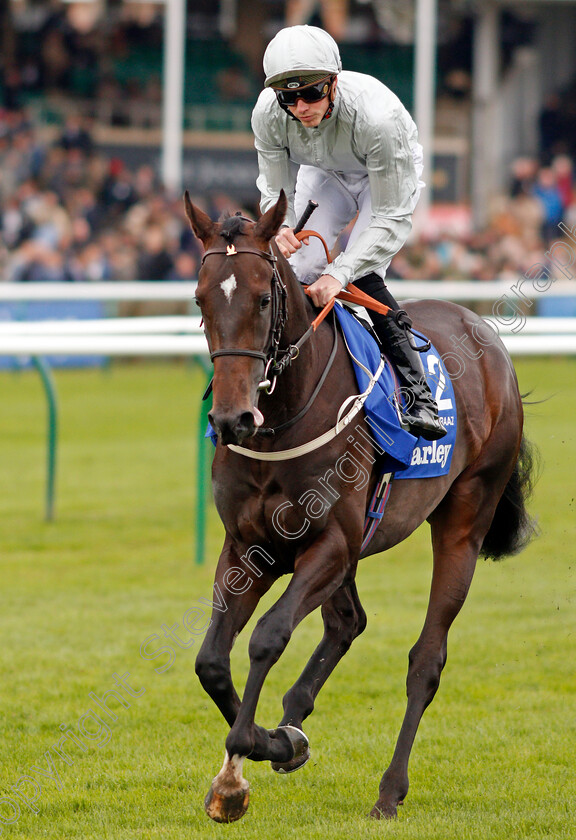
<point x="459" y="525"/>
<point x="344" y="620"/>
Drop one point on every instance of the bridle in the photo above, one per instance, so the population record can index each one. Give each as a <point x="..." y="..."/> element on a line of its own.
<point x="279" y="314"/>
<point x="275" y="360"/>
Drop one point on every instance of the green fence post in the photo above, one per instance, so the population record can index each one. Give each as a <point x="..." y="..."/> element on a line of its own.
<point x="43" y="369"/>
<point x="202" y="469"/>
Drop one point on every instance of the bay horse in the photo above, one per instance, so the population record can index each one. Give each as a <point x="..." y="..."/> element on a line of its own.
<point x="288" y="508"/>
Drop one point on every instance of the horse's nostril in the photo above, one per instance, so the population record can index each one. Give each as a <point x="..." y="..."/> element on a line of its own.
<point x="246" y="421"/>
<point x="233" y="428"/>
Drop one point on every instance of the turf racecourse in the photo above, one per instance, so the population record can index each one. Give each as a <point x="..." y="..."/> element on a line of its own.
<point x="494" y="757"/>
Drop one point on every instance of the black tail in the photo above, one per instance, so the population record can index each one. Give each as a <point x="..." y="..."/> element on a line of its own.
<point x="512" y="527"/>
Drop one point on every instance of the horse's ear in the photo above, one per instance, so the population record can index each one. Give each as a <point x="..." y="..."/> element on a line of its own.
<point x="269" y="223"/>
<point x="202" y="224"/>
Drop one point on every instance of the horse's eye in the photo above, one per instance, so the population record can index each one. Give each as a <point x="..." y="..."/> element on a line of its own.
<point x="265" y="301"/>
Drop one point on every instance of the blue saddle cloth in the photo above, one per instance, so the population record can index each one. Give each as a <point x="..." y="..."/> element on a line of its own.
<point x="406" y="455"/>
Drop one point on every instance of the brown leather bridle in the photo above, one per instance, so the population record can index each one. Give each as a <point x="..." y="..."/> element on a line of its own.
<point x="279" y="313"/>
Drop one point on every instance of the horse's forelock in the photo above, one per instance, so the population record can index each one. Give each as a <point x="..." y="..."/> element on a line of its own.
<point x="232" y="226"/>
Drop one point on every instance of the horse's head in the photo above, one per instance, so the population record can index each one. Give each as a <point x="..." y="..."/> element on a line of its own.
<point x="242" y="302"/>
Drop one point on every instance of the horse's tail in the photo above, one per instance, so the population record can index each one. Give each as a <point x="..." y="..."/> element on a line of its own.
<point x="512" y="527"/>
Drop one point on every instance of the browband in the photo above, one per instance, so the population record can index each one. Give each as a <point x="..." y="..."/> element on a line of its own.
<point x="232" y="251"/>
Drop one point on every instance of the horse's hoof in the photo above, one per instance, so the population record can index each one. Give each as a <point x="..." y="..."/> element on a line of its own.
<point x="227" y="806"/>
<point x="227" y="799"/>
<point x="301" y="751"/>
<point x="384" y="812"/>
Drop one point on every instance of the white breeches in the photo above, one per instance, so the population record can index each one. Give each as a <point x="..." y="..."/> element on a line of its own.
<point x="340" y="197"/>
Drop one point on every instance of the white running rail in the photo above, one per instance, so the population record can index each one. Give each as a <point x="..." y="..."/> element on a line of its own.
<point x="182" y="335"/>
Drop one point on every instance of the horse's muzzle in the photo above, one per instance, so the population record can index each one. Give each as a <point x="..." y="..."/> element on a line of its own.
<point x="233" y="428"/>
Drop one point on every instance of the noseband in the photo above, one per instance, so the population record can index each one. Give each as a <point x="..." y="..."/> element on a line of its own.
<point x="278" y="316"/>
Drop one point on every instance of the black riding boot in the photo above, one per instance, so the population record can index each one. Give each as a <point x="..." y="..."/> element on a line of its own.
<point x="421" y="412"/>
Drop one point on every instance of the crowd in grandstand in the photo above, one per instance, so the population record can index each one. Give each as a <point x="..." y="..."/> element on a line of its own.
<point x="69" y="213"/>
<point x="523" y="224"/>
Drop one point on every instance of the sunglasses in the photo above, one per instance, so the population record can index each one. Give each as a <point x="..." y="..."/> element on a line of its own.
<point x="310" y="93"/>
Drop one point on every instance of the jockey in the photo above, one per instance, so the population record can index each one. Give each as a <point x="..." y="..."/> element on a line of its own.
<point x="357" y="152"/>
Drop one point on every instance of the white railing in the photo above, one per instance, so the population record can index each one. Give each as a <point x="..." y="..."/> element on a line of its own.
<point x="105" y="326"/>
<point x="420" y="289"/>
<point x="31" y="343"/>
<point x="182" y="335"/>
<point x="170" y="335"/>
<point x="28" y="344"/>
<point x="168" y="291"/>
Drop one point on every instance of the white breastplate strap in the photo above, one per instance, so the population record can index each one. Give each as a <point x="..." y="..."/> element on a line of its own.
<point x="341" y="423"/>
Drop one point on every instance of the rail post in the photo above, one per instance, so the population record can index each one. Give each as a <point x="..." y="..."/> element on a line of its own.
<point x="202" y="469"/>
<point x="43" y="369"/>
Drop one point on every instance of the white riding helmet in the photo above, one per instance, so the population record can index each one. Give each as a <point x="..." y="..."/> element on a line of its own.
<point x="298" y="51"/>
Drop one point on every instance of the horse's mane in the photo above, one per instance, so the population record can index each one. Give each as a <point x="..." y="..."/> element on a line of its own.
<point x="233" y="226"/>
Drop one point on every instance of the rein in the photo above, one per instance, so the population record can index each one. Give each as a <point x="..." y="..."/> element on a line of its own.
<point x="341" y="423"/>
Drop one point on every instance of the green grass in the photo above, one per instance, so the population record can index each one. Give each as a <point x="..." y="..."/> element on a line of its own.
<point x="494" y="757"/>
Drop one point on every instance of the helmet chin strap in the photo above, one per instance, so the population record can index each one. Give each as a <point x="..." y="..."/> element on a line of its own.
<point x="330" y="108"/>
<point x="288" y="111"/>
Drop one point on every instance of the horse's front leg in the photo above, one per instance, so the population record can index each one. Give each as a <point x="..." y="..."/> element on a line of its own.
<point x="230" y="613"/>
<point x="318" y="573"/>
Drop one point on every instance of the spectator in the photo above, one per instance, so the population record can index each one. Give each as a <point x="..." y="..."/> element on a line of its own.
<point x="524" y="170"/>
<point x="551" y="127"/>
<point x="234" y="85"/>
<point x="118" y="193"/>
<point x="90" y="264"/>
<point x="333" y="14"/>
<point x="76" y="136"/>
<point x="547" y="192"/>
<point x="155" y="263"/>
<point x="35" y="262"/>
<point x="185" y="267"/>
<point x="11" y="86"/>
<point x="55" y="60"/>
<point x="563" y="169"/>
<point x="15" y="226"/>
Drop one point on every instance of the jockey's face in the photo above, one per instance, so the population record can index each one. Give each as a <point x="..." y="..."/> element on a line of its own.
<point x="311" y="114"/>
